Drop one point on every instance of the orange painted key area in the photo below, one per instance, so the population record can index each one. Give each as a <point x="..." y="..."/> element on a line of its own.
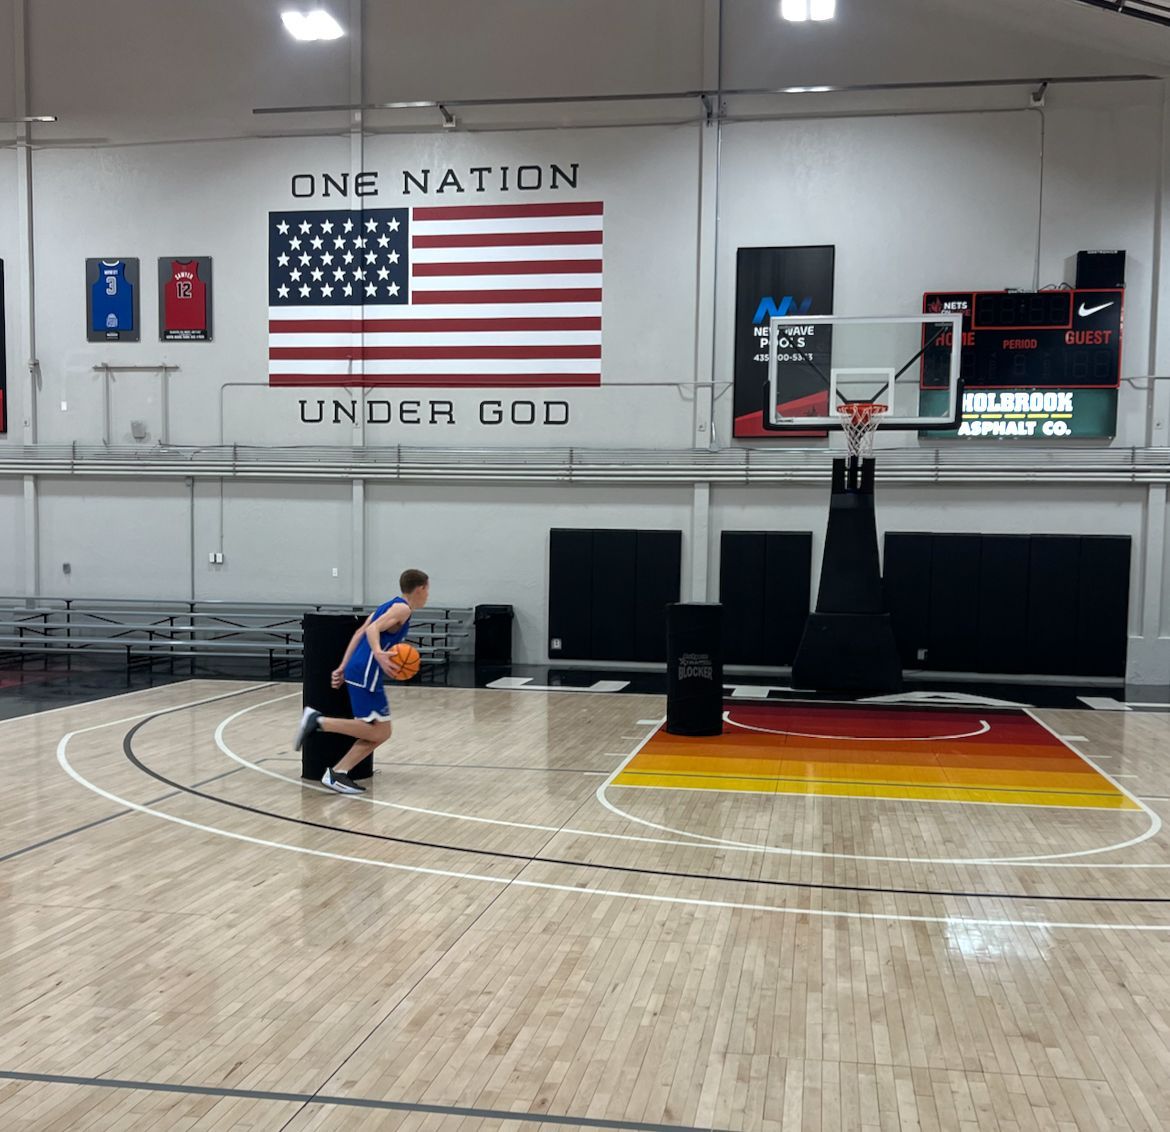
<point x="1004" y="757"/>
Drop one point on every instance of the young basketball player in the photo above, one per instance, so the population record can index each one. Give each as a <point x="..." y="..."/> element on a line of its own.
<point x="363" y="670"/>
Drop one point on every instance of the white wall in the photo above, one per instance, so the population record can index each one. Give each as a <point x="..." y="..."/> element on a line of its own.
<point x="8" y="255"/>
<point x="121" y="538"/>
<point x="213" y="198"/>
<point x="12" y="545"/>
<point x="164" y="157"/>
<point x="481" y="549"/>
<point x="953" y="201"/>
<point x="281" y="542"/>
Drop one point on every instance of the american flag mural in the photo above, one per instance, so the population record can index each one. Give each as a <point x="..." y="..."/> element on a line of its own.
<point x="469" y="296"/>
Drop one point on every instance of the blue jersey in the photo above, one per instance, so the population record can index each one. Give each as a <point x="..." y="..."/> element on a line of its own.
<point x="363" y="671"/>
<point x="112" y="298"/>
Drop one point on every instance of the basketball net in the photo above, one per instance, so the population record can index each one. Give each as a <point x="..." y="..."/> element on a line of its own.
<point x="859" y="422"/>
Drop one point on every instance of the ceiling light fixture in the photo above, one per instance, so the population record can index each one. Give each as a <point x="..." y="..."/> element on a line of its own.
<point x="311" y="26"/>
<point x="800" y="11"/>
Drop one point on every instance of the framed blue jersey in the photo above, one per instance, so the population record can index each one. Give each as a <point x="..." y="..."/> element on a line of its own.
<point x="112" y="300"/>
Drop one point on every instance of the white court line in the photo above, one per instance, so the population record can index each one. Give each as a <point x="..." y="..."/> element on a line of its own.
<point x="654" y="898"/>
<point x="984" y="728"/>
<point x="524" y="684"/>
<point x="705" y="843"/>
<point x="1080" y="739"/>
<point x="1104" y="774"/>
<point x="1036" y="860"/>
<point x="176" y="707"/>
<point x="221" y="743"/>
<point x="754" y="691"/>
<point x="106" y="699"/>
<point x="1103" y="703"/>
<point x="934" y="699"/>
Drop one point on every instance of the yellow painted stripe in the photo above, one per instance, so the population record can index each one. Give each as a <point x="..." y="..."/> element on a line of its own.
<point x="908" y="792"/>
<point x="1087" y="781"/>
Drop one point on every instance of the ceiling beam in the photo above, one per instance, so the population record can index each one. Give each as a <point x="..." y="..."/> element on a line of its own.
<point x="1153" y="11"/>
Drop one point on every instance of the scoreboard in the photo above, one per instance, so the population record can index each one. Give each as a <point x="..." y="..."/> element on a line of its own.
<point x="1035" y="364"/>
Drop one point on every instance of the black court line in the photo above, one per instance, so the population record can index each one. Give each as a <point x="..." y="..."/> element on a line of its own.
<point x="526" y="859"/>
<point x="109" y="817"/>
<point x="348" y="1102"/>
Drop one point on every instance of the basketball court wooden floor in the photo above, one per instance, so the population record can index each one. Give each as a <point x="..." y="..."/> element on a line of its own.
<point x="549" y="913"/>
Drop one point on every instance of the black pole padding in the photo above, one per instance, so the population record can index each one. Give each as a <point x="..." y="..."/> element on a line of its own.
<point x="694" y="660"/>
<point x="326" y="637"/>
<point x="848" y="643"/>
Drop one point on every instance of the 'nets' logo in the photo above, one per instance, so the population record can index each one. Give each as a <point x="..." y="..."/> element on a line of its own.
<point x="769" y="308"/>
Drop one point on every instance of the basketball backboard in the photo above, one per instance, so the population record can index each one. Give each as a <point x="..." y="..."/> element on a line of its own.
<point x="816" y="364"/>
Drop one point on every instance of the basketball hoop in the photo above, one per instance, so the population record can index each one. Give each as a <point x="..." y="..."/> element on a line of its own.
<point x="859" y="421"/>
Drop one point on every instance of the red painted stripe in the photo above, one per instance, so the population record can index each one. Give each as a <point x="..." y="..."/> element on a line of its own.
<point x="393" y="353"/>
<point x="425" y="325"/>
<point x="512" y="267"/>
<point x="510" y="295"/>
<point x="436" y="380"/>
<point x="507" y="211"/>
<point x="505" y="239"/>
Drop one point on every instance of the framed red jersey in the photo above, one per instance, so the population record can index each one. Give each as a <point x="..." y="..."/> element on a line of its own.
<point x="184" y="299"/>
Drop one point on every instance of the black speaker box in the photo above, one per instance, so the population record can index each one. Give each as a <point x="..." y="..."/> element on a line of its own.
<point x="1100" y="269"/>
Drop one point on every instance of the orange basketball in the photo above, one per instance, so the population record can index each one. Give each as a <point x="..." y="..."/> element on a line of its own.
<point x="407" y="658"/>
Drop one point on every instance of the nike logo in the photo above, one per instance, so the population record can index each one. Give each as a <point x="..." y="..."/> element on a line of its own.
<point x="1085" y="311"/>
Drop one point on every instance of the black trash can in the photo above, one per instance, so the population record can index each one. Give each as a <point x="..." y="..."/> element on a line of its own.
<point x="493" y="635"/>
<point x="327" y="636"/>
<point x="694" y="660"/>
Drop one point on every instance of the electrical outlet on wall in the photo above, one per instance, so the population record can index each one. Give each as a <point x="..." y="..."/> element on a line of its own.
<point x="335" y="571"/>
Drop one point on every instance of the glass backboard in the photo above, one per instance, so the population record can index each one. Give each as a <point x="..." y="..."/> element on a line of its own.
<point x="817" y="364"/>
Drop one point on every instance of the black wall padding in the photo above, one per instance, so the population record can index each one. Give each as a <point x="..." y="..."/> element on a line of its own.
<point x="764" y="582"/>
<point x="608" y="592"/>
<point x="743" y="593"/>
<point x="658" y="583"/>
<point x="615" y="598"/>
<point x="1053" y="585"/>
<point x="906" y="579"/>
<point x="1046" y="604"/>
<point x="570" y="594"/>
<point x="1003" y="604"/>
<point x="954" y="601"/>
<point x="1103" y="605"/>
<point x="786" y="596"/>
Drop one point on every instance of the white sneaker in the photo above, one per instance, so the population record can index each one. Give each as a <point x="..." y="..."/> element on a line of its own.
<point x="310" y="721"/>
<point x="341" y="782"/>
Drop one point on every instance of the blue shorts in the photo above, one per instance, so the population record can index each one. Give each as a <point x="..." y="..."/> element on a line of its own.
<point x="369" y="707"/>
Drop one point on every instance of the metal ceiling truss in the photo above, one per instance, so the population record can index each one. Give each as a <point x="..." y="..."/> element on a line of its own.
<point x="1155" y="11"/>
